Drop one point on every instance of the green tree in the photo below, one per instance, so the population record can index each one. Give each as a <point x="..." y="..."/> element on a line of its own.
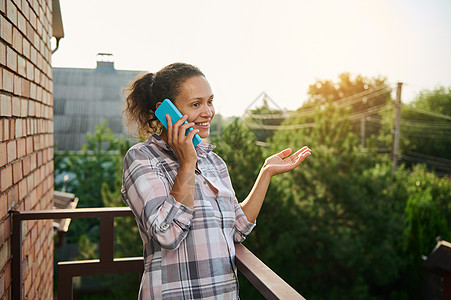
<point x="358" y="94"/>
<point x="426" y="138"/>
<point x="342" y="220"/>
<point x="95" y="164"/>
<point x="96" y="173"/>
<point x="261" y="120"/>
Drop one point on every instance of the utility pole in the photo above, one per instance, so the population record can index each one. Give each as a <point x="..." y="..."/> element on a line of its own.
<point x="396" y="127"/>
<point x="362" y="133"/>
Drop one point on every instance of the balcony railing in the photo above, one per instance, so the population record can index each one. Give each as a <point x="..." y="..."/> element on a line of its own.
<point x="268" y="283"/>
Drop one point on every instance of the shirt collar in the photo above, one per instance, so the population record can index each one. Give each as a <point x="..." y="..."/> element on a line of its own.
<point x="202" y="149"/>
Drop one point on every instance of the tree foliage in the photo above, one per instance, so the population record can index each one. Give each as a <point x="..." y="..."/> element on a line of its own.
<point x="427" y="138"/>
<point x="342" y="225"/>
<point x="96" y="179"/>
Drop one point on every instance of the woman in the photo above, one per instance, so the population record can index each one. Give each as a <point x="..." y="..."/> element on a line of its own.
<point x="182" y="196"/>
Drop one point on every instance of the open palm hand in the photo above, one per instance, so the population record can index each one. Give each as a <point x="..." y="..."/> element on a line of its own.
<point x="283" y="162"/>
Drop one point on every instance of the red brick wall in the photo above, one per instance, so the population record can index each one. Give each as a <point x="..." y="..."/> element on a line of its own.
<point x="26" y="140"/>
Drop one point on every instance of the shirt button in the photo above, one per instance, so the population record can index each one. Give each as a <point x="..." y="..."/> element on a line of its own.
<point x="164" y="226"/>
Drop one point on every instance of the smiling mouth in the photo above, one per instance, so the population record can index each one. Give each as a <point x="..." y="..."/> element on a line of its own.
<point x="203" y="124"/>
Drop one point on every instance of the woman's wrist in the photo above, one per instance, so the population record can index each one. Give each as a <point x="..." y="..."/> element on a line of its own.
<point x="265" y="172"/>
<point x="188" y="166"/>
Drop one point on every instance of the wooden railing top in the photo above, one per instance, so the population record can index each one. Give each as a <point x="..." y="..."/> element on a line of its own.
<point x="268" y="283"/>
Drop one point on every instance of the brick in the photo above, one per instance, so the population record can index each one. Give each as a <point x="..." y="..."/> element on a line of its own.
<point x="5" y="129"/>
<point x="2" y="283"/>
<point x="29" y="144"/>
<point x="26" y="168"/>
<point x="37" y="75"/>
<point x="30" y="182"/>
<point x="11" y="12"/>
<point x="25" y="9"/>
<point x="17" y="85"/>
<point x="26" y="48"/>
<point x="11" y="151"/>
<point x="6" y="31"/>
<point x="4" y="254"/>
<point x="15" y="104"/>
<point x="32" y="90"/>
<point x="21" y="148"/>
<point x="33" y="54"/>
<point x="32" y="18"/>
<point x="12" y="128"/>
<point x="8" y="79"/>
<point x="11" y="59"/>
<point x="2" y="53"/>
<point x="6" y="106"/>
<point x="19" y="128"/>
<point x="23" y="191"/>
<point x="5" y="227"/>
<point x="21" y="66"/>
<point x="39" y="29"/>
<point x="17" y="172"/>
<point x="8" y="274"/>
<point x="3" y="155"/>
<point x="22" y="23"/>
<point x="3" y="212"/>
<point x="23" y="107"/>
<point x="13" y="195"/>
<point x="3" y="10"/>
<point x="6" y="177"/>
<point x="17" y="40"/>
<point x="25" y="88"/>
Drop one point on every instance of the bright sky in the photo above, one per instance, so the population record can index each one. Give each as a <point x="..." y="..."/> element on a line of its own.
<point x="245" y="47"/>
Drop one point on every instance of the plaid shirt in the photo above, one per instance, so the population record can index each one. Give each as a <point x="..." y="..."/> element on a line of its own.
<point x="188" y="254"/>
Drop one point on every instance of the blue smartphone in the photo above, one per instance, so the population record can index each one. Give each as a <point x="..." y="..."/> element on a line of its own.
<point x="168" y="108"/>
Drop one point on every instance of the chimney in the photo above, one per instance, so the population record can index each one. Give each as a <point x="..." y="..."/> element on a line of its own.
<point x="105" y="62"/>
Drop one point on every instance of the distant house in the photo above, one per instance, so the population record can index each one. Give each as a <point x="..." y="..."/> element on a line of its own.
<point x="86" y="97"/>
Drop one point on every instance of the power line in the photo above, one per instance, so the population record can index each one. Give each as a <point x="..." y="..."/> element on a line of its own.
<point x="431" y="162"/>
<point x="365" y="95"/>
<point x="427" y="156"/>
<point x="279" y="127"/>
<point x="437" y="125"/>
<point x="371" y="111"/>
<point x="427" y="135"/>
<point x="426" y="112"/>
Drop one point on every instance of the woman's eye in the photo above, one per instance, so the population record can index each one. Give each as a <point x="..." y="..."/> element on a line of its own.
<point x="195" y="104"/>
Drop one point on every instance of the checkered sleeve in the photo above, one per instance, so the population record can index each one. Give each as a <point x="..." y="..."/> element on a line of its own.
<point x="242" y="226"/>
<point x="146" y="190"/>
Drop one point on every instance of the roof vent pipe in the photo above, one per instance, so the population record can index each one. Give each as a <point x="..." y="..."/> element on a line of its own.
<point x="105" y="62"/>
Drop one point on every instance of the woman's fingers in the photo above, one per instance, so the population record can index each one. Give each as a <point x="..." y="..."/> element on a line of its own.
<point x="284" y="153"/>
<point x="169" y="123"/>
<point x="176" y="131"/>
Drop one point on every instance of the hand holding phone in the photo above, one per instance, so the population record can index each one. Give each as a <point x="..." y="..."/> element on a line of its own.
<point x="168" y="108"/>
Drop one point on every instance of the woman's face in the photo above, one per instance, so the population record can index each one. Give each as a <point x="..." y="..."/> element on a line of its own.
<point x="196" y="100"/>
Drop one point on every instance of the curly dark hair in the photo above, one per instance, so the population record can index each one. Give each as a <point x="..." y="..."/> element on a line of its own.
<point x="146" y="91"/>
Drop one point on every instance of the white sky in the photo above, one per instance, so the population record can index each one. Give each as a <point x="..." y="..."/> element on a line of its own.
<point x="280" y="47"/>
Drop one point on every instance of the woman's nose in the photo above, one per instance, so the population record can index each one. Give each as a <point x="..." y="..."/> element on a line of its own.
<point x="208" y="111"/>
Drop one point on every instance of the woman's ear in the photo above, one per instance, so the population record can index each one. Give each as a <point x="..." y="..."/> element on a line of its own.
<point x="158" y="104"/>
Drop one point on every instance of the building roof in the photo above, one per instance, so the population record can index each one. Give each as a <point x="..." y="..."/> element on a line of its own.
<point x="86" y="97"/>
